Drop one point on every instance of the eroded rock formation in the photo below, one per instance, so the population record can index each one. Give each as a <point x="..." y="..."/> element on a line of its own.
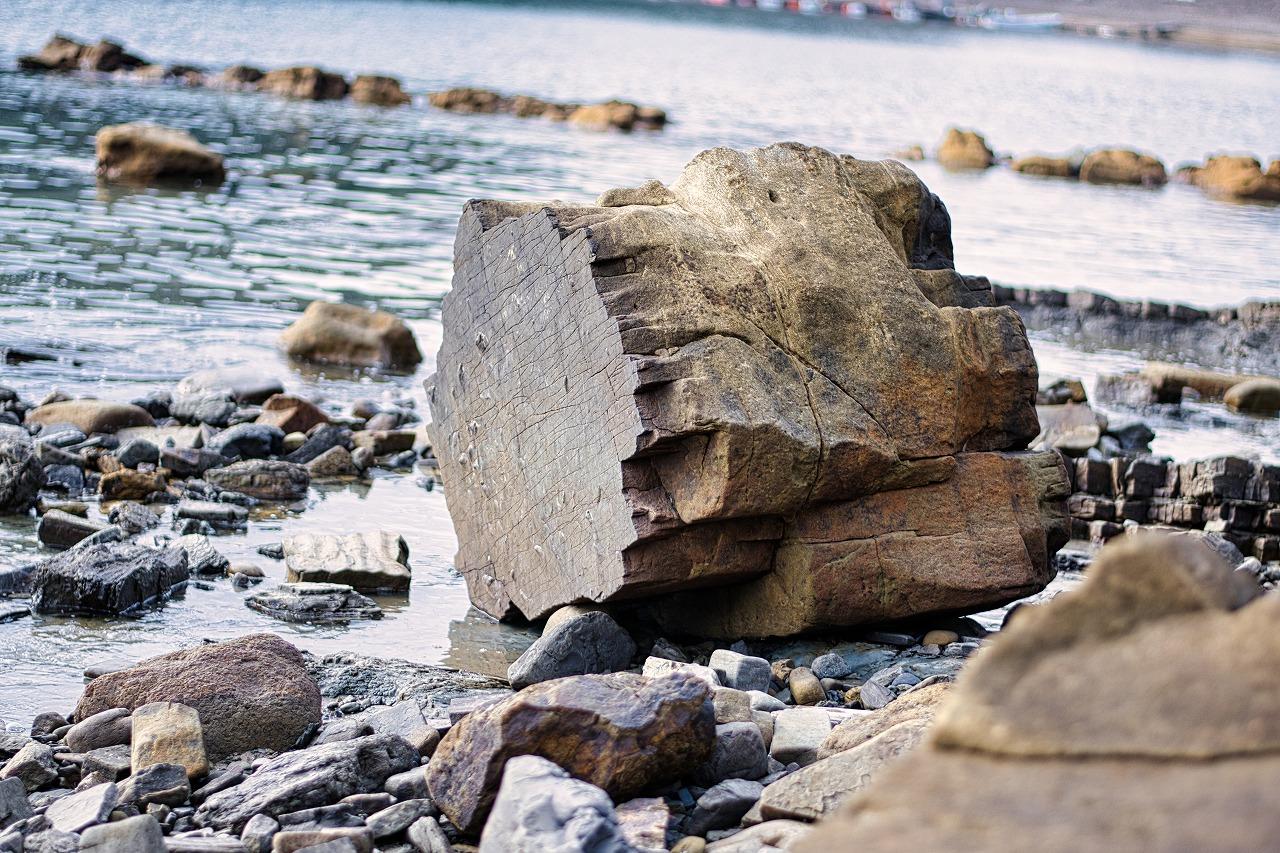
<point x="767" y="378"/>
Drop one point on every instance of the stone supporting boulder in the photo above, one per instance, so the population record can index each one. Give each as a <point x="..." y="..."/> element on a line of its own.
<point x="149" y="154"/>
<point x="766" y="378"/>
<point x="1140" y="712"/>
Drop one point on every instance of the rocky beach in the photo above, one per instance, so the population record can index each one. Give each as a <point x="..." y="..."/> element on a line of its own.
<point x="402" y="458"/>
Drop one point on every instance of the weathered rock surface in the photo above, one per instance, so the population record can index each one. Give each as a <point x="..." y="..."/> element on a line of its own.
<point x="65" y="54"/>
<point x="622" y="732"/>
<point x="168" y="733"/>
<point x="1096" y="722"/>
<point x="21" y="475"/>
<point x="965" y="149"/>
<point x="32" y="765"/>
<point x="291" y="413"/>
<point x="541" y="807"/>
<point x="914" y="706"/>
<point x="1255" y="396"/>
<point x="728" y="429"/>
<point x="590" y="643"/>
<point x="83" y="809"/>
<point x="371" y="561"/>
<point x="314" y="602"/>
<point x="138" y="834"/>
<point x="620" y="115"/>
<point x="317" y="776"/>
<point x="111" y="727"/>
<point x="266" y="479"/>
<point x="147" y="154"/>
<point x="304" y="83"/>
<point x="252" y="692"/>
<point x="109" y="578"/>
<point x="334" y="333"/>
<point x="90" y="416"/>
<point x="241" y="384"/>
<point x="1119" y="166"/>
<point x="379" y="91"/>
<point x="1238" y="179"/>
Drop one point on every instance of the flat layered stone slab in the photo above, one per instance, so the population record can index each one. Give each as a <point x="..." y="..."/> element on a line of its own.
<point x="375" y="561"/>
<point x="677" y="387"/>
<point x="314" y="602"/>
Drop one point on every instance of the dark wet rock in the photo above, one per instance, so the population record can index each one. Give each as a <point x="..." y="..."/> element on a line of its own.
<point x="319" y="441"/>
<point x="366" y="561"/>
<point x="861" y="474"/>
<point x="149" y="154"/>
<point x="13" y="801"/>
<point x="334" y="464"/>
<point x="321" y="817"/>
<point x="156" y="403"/>
<point x="624" y="731"/>
<point x="20" y="473"/>
<point x="33" y="765"/>
<point x="135" y="451"/>
<point x="541" y="807"/>
<point x="109" y="578"/>
<point x="204" y="406"/>
<point x="590" y="643"/>
<point x="132" y="517"/>
<point x="58" y="529"/>
<point x="111" y="727"/>
<point x="317" y="776"/>
<point x="11" y="611"/>
<point x="253" y="692"/>
<point x="190" y="461"/>
<point x="84" y="808"/>
<point x="138" y="834"/>
<point x="379" y="91"/>
<point x="248" y="441"/>
<point x="304" y="83"/>
<point x="65" y="478"/>
<point x="268" y="480"/>
<point x="157" y="783"/>
<point x="314" y="602"/>
<point x="110" y="763"/>
<point x="349" y="335"/>
<point x="202" y="557"/>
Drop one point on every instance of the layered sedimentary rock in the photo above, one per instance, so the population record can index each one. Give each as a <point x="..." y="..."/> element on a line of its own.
<point x="1138" y="713"/>
<point x="767" y="378"/>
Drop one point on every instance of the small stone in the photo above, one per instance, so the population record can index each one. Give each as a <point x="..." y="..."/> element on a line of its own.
<point x="314" y="603"/>
<point x="805" y="687"/>
<point x="202" y="557"/>
<point x="426" y="836"/>
<point x="350" y="335"/>
<point x="46" y="722"/>
<point x="128" y="484"/>
<point x="723" y="805"/>
<point x="739" y="753"/>
<point x="108" y="762"/>
<point x="140" y="834"/>
<point x="106" y="728"/>
<point x="214" y="512"/>
<point x="690" y="844"/>
<point x="258" y="833"/>
<point x="362" y="458"/>
<point x="740" y="671"/>
<point x="169" y="733"/>
<point x="761" y="701"/>
<point x="14" y="805"/>
<point x="334" y="463"/>
<point x="409" y="785"/>
<point x="830" y="665"/>
<point x="268" y="480"/>
<point x="84" y="808"/>
<point x="644" y="823"/>
<point x="406" y="720"/>
<point x="90" y="416"/>
<point x="874" y="696"/>
<point x="344" y="839"/>
<point x="319" y="440"/>
<point x="136" y="451"/>
<point x="731" y="706"/>
<point x="396" y="819"/>
<point x="798" y="733"/>
<point x="132" y="517"/>
<point x="781" y="670"/>
<point x="164" y="784"/>
<point x="61" y="530"/>
<point x="375" y="561"/>
<point x="540" y="807"/>
<point x="589" y="643"/>
<point x="291" y="413"/>
<point x="247" y="441"/>
<point x="294" y="440"/>
<point x="657" y="667"/>
<point x="939" y="638"/>
<point x="385" y="442"/>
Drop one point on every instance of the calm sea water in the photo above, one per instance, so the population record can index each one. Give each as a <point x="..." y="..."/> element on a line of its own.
<point x="132" y="290"/>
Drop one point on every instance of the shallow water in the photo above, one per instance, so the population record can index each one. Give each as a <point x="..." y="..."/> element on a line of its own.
<point x="129" y="291"/>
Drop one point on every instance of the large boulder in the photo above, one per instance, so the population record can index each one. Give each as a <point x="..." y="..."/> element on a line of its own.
<point x="20" y="473"/>
<point x="146" y="154"/>
<point x="1238" y="178"/>
<point x="90" y="416"/>
<point x="1121" y="166"/>
<point x="304" y="83"/>
<point x="109" y="578"/>
<point x="701" y="383"/>
<point x="333" y="333"/>
<point x="965" y="149"/>
<point x="1139" y="712"/>
<point x="1256" y="396"/>
<point x="379" y="91"/>
<point x="622" y="732"/>
<point x="253" y="692"/>
<point x="372" y="562"/>
<point x="309" y="778"/>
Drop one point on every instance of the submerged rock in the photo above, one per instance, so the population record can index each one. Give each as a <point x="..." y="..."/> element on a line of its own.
<point x="1120" y="166"/>
<point x="623" y="732"/>
<point x="317" y="776"/>
<point x="305" y="83"/>
<point x="1049" y="167"/>
<point x="314" y="602"/>
<point x="21" y="475"/>
<point x="334" y="333"/>
<point x="149" y="154"/>
<point x="253" y="692"/>
<point x="65" y="54"/>
<point x="366" y="561"/>
<point x="809" y="497"/>
<point x="1137" y="712"/>
<point x="109" y="578"/>
<point x="619" y="115"/>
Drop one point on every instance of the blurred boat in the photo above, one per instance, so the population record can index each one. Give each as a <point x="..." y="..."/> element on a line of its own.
<point x="1008" y="19"/>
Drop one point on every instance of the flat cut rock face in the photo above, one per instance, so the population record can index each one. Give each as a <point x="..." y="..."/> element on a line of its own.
<point x="653" y="394"/>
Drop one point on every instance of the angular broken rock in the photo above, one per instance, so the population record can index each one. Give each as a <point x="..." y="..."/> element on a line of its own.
<point x="590" y="643"/>
<point x="314" y="602"/>
<point x="767" y="378"/>
<point x="307" y="778"/>
<point x="253" y="692"/>
<point x="622" y="732"/>
<point x="109" y="578"/>
<point x="372" y="561"/>
<point x="1140" y="711"/>
<point x="168" y="733"/>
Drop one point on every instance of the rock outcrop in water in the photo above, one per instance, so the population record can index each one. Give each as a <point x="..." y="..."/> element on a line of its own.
<point x="1121" y="166"/>
<point x="306" y="83"/>
<point x="965" y="149"/>
<point x="333" y="333"/>
<point x="66" y="54"/>
<point x="619" y="115"/>
<point x="1140" y="712"/>
<point x="767" y="378"/>
<point x="1236" y="178"/>
<point x="109" y="579"/>
<point x="150" y="154"/>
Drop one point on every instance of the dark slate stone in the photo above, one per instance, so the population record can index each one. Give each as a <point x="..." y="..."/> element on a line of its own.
<point x="110" y="578"/>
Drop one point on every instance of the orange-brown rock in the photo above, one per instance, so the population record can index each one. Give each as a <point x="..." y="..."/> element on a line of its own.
<point x="304" y="83"/>
<point x="965" y="149"/>
<point x="64" y="54"/>
<point x="1049" y="167"/>
<point x="620" y="115"/>
<point x="1238" y="178"/>
<point x="766" y="378"/>
<point x="469" y="100"/>
<point x="623" y="732"/>
<point x="379" y="91"/>
<point x="90" y="416"/>
<point x="603" y="116"/>
<point x="291" y="413"/>
<point x="148" y="154"/>
<point x="127" y="484"/>
<point x="1140" y="712"/>
<point x="1120" y="166"/>
<point x="333" y="333"/>
<point x="253" y="692"/>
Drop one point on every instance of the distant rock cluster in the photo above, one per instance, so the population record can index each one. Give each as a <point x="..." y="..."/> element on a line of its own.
<point x="619" y="115"/>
